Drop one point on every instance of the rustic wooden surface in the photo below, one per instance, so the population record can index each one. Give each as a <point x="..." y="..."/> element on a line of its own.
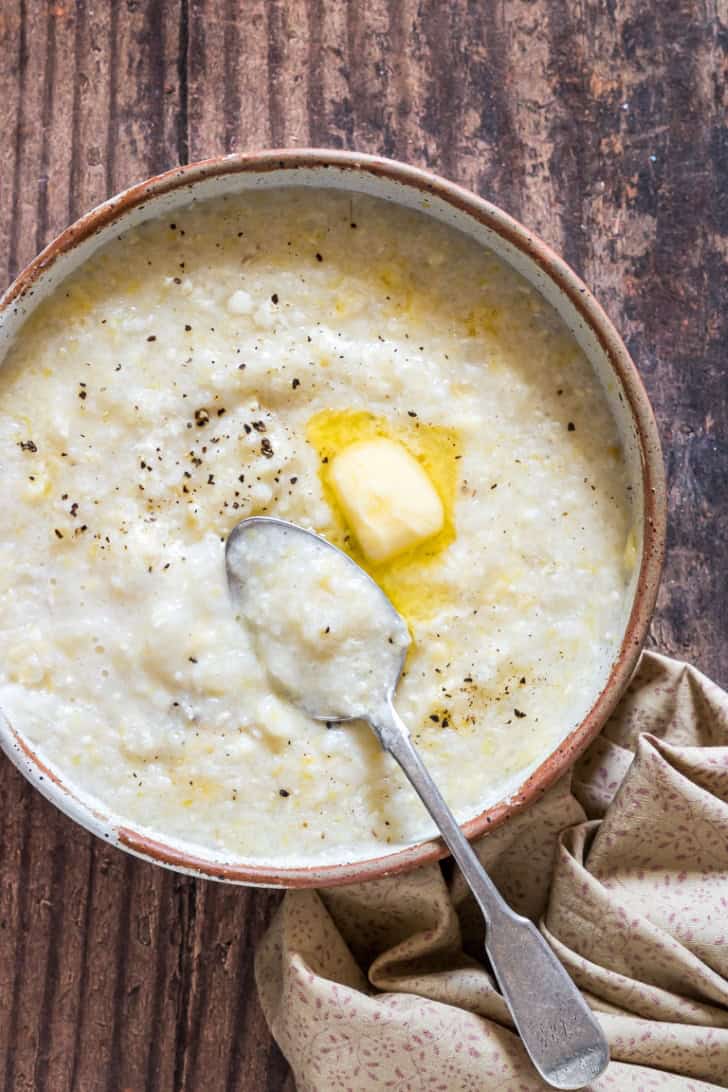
<point x="599" y="125"/>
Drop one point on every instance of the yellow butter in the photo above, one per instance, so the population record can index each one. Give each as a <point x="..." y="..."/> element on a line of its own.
<point x="386" y="496"/>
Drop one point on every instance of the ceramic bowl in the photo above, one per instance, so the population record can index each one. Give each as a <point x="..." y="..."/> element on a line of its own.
<point x="556" y="282"/>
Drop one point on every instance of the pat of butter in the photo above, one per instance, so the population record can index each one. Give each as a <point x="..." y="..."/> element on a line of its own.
<point x="386" y="496"/>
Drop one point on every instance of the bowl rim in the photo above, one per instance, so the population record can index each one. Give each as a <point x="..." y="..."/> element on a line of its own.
<point x="653" y="531"/>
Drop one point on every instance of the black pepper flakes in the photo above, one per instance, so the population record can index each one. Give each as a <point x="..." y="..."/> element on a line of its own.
<point x="259" y="426"/>
<point x="28" y="445"/>
<point x="571" y="426"/>
<point x="283" y="792"/>
<point x="296" y="383"/>
<point x="274" y="298"/>
<point x="57" y="533"/>
<point x="152" y="337"/>
<point x="202" y="417"/>
<point x="519" y="714"/>
<point x="411" y="413"/>
<point x="266" y="447"/>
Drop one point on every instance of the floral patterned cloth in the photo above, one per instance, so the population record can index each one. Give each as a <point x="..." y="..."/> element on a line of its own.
<point x="625" y="866"/>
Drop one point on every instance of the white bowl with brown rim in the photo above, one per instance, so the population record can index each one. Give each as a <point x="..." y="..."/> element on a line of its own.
<point x="553" y="279"/>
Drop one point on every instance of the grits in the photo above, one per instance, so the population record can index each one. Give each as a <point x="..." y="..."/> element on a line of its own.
<point x="325" y="633"/>
<point x="210" y="366"/>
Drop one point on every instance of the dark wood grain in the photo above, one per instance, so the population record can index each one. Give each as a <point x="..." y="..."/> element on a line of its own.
<point x="601" y="126"/>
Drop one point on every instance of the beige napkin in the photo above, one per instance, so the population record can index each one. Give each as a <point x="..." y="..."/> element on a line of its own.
<point x="624" y="865"/>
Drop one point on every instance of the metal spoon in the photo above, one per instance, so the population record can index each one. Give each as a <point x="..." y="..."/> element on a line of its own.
<point x="562" y="1037"/>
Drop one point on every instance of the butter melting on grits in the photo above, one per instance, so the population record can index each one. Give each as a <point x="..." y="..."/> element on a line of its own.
<point x="416" y="593"/>
<point x="388" y="500"/>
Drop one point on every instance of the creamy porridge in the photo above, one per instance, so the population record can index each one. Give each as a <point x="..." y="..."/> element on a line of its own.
<point x="223" y="363"/>
<point x="327" y="637"/>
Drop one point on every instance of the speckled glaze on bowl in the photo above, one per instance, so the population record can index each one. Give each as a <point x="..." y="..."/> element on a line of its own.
<point x="549" y="274"/>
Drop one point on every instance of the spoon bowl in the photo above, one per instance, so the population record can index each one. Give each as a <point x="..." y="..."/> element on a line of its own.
<point x="272" y="566"/>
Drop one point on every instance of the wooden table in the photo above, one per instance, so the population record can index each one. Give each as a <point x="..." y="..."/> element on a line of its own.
<point x="596" y="124"/>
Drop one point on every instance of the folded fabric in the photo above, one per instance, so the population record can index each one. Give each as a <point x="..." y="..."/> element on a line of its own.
<point x="624" y="865"/>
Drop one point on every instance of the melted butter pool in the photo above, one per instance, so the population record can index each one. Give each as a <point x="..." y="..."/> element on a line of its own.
<point x="406" y="579"/>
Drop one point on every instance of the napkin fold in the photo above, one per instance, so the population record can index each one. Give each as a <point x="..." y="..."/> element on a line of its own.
<point x="623" y="865"/>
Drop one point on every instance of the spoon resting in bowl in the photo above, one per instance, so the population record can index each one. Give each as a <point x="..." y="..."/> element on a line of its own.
<point x="333" y="644"/>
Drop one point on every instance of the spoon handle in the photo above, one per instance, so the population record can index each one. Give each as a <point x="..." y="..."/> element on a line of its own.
<point x="562" y="1037"/>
